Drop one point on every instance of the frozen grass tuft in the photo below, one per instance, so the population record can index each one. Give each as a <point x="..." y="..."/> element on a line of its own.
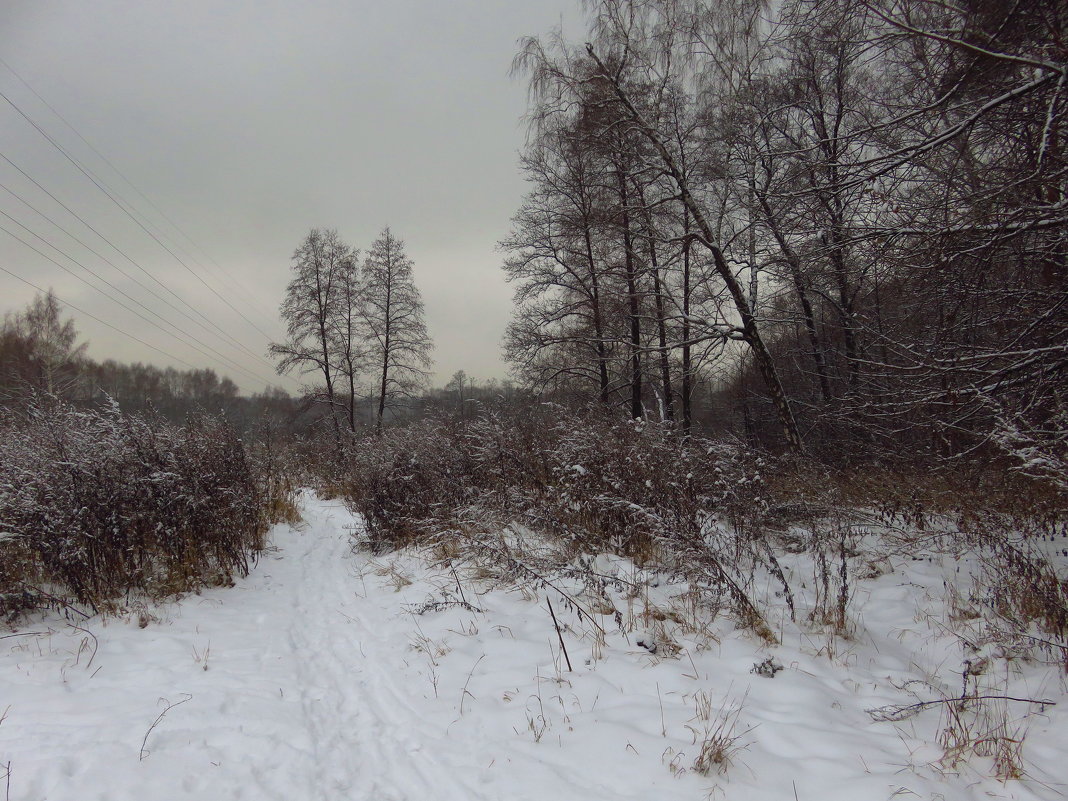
<point x="716" y="733"/>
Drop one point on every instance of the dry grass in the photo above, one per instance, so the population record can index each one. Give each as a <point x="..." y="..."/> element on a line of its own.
<point x="716" y="733"/>
<point x="523" y="500"/>
<point x="983" y="728"/>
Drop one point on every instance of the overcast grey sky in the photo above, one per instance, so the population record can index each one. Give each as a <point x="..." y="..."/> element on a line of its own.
<point x="247" y="124"/>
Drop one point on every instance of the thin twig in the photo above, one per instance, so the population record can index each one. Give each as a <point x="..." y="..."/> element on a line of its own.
<point x="96" y="642"/>
<point x="518" y="566"/>
<point x="465" y="693"/>
<point x="559" y="635"/>
<point x="24" y="634"/>
<point x="155" y="723"/>
<point x="458" y="587"/>
<point x="893" y="712"/>
<point x="663" y="725"/>
<point x="65" y="605"/>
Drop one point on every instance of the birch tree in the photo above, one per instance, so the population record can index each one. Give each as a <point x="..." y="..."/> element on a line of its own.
<point x="50" y="354"/>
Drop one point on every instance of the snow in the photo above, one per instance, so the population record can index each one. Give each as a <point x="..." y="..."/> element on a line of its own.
<point x="328" y="674"/>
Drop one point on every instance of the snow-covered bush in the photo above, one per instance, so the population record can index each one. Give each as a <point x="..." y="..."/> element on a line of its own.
<point x="600" y="481"/>
<point x="603" y="483"/>
<point x="590" y="481"/>
<point x="279" y="470"/>
<point x="405" y="479"/>
<point x="94" y="505"/>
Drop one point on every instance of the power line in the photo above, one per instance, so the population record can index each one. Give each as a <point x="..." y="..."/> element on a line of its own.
<point x="222" y="272"/>
<point x="119" y="202"/>
<point x="125" y="211"/>
<point x="103" y="258"/>
<point x="132" y="261"/>
<point x="94" y="317"/>
<point x="230" y="364"/>
<point x="222" y="359"/>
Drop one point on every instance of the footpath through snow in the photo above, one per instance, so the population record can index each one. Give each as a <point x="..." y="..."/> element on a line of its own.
<point x="291" y="685"/>
<point x="326" y="675"/>
<point x="276" y="689"/>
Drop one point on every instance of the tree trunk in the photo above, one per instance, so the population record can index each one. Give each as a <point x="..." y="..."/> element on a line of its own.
<point x="632" y="300"/>
<point x="328" y="379"/>
<point x="352" y="397"/>
<point x="382" y="390"/>
<point x="750" y="330"/>
<point x="386" y="342"/>
<point x="797" y="278"/>
<point x="598" y="321"/>
<point x="661" y="321"/>
<point x="687" y="348"/>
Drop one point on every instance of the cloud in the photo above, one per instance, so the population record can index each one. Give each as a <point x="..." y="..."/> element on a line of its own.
<point x="249" y="123"/>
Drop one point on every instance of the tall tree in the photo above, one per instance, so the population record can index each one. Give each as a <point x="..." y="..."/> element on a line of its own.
<point x="349" y="349"/>
<point x="310" y="308"/>
<point x="868" y="196"/>
<point x="635" y="76"/>
<point x="398" y="346"/>
<point x="562" y="333"/>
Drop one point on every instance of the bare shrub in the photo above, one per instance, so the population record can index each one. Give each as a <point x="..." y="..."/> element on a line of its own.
<point x="983" y="728"/>
<point x="402" y="481"/>
<point x="96" y="504"/>
<point x="1025" y="597"/>
<point x="587" y="480"/>
<point x="277" y="469"/>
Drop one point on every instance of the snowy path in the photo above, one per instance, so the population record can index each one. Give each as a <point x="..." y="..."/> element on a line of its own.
<point x="285" y="696"/>
<point x="296" y="684"/>
<point x="367" y="740"/>
<point x="327" y="676"/>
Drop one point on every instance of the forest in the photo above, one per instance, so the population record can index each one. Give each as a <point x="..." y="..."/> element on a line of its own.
<point x="848" y="222"/>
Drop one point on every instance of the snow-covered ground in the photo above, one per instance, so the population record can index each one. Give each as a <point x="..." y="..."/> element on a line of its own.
<point x="327" y="674"/>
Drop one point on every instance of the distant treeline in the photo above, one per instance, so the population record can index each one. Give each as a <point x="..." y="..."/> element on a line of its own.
<point x="40" y="352"/>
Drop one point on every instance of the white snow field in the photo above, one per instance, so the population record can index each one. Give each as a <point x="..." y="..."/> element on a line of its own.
<point x="327" y="674"/>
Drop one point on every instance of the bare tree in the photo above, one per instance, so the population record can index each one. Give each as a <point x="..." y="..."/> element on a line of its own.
<point x="45" y="344"/>
<point x="350" y="352"/>
<point x="398" y="346"/>
<point x="460" y="384"/>
<point x="563" y="334"/>
<point x="311" y="307"/>
<point x="632" y="72"/>
<point x="862" y="202"/>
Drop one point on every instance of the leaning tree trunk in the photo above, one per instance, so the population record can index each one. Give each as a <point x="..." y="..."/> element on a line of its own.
<point x="797" y="278"/>
<point x="598" y="320"/>
<point x="749" y="328"/>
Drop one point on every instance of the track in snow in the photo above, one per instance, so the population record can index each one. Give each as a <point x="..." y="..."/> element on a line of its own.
<point x="319" y="678"/>
<point x="287" y="695"/>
